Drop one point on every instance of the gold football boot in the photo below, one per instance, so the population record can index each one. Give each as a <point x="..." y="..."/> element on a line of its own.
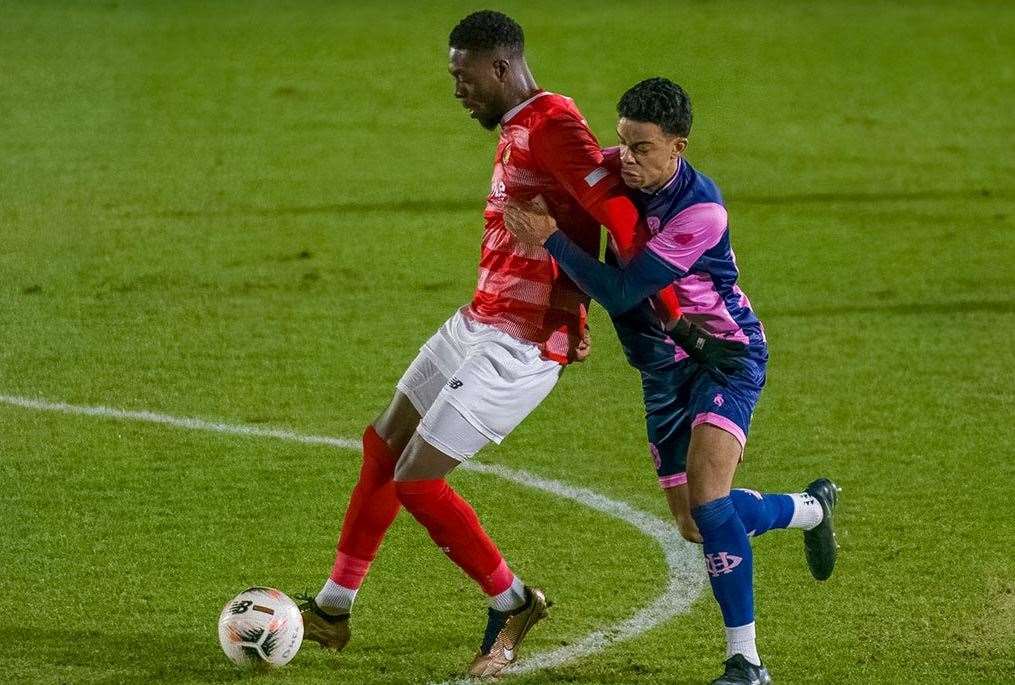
<point x="328" y="630"/>
<point x="505" y="631"/>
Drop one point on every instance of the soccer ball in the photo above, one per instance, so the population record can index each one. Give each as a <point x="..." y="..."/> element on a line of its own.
<point x="260" y="627"/>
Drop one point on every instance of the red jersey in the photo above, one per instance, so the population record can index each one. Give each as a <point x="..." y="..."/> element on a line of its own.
<point x="547" y="149"/>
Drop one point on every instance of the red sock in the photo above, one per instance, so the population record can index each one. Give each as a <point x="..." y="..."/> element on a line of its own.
<point x="454" y="526"/>
<point x="373" y="505"/>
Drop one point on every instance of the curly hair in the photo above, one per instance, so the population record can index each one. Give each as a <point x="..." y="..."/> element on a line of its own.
<point x="486" y="30"/>
<point x="658" y="101"/>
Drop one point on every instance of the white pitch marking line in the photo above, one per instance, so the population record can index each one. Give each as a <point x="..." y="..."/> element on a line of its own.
<point x="685" y="581"/>
<point x="179" y="422"/>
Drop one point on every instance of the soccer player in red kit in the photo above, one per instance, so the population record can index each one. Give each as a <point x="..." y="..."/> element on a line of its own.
<point x="496" y="358"/>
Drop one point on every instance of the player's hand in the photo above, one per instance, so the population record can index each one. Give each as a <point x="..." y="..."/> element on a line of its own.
<point x="529" y="222"/>
<point x="719" y="357"/>
<point x="584" y="347"/>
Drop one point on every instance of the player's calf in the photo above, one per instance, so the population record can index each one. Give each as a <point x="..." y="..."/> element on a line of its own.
<point x="762" y="512"/>
<point x="810" y="511"/>
<point x="372" y="507"/>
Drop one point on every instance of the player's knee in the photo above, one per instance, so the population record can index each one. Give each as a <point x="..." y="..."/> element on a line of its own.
<point x="406" y="467"/>
<point x="688" y="529"/>
<point x="422" y="461"/>
<point x="397" y="423"/>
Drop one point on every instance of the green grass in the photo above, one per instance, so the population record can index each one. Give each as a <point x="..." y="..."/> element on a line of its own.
<point x="256" y="212"/>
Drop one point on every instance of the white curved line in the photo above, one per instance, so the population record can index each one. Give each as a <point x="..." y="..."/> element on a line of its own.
<point x="179" y="422"/>
<point x="685" y="581"/>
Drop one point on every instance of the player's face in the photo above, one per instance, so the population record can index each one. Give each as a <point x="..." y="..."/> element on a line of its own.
<point x="479" y="84"/>
<point x="648" y="155"/>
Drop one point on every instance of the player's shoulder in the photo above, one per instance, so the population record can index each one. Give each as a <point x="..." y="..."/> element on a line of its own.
<point x="551" y="111"/>
<point x="700" y="189"/>
<point x="702" y="215"/>
<point x="556" y="105"/>
<point x="696" y="203"/>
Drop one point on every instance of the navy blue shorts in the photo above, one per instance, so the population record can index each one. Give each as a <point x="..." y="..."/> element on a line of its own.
<point x="682" y="395"/>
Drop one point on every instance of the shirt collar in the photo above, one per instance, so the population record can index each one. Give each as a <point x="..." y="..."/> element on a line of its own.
<point x="520" y="106"/>
<point x="673" y="178"/>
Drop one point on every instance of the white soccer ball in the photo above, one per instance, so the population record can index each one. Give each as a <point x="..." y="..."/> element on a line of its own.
<point x="260" y="627"/>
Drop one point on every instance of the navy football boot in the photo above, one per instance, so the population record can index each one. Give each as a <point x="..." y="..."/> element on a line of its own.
<point x="820" y="545"/>
<point x="740" y="671"/>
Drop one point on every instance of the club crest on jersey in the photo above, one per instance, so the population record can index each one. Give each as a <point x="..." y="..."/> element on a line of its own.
<point x="653" y="224"/>
<point x="504" y="158"/>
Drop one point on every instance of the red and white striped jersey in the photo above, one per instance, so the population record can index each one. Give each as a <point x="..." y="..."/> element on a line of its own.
<point x="547" y="149"/>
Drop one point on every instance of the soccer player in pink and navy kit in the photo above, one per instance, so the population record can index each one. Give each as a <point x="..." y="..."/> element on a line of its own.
<point x="496" y="358"/>
<point x="697" y="417"/>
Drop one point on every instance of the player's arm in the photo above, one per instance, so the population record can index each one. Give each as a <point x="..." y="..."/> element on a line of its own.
<point x="618" y="289"/>
<point x="568" y="150"/>
<point x="667" y="257"/>
<point x="619" y="215"/>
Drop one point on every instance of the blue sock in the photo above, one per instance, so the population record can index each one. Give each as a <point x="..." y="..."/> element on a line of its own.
<point x="728" y="559"/>
<point x="761" y="513"/>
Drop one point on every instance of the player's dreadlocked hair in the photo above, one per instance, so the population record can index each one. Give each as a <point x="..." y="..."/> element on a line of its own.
<point x="658" y="101"/>
<point x="486" y="30"/>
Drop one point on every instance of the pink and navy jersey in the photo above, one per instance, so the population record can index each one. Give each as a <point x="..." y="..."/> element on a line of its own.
<point x="690" y="250"/>
<point x="545" y="149"/>
<point x="690" y="233"/>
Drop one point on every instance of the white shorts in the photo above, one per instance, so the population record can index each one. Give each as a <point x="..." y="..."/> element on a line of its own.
<point x="473" y="384"/>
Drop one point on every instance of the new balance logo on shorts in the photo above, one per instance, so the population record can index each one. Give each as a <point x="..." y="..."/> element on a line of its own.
<point x="720" y="563"/>
<point x="454" y="383"/>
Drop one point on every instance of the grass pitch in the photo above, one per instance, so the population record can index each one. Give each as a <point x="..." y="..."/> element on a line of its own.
<point x="256" y="212"/>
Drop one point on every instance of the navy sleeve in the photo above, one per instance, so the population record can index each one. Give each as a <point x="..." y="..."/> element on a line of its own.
<point x="618" y="290"/>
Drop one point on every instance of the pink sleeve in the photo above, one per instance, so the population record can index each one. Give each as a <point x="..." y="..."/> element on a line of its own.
<point x="689" y="235"/>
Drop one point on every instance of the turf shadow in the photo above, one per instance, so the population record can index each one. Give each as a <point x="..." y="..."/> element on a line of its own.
<point x="124" y="657"/>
